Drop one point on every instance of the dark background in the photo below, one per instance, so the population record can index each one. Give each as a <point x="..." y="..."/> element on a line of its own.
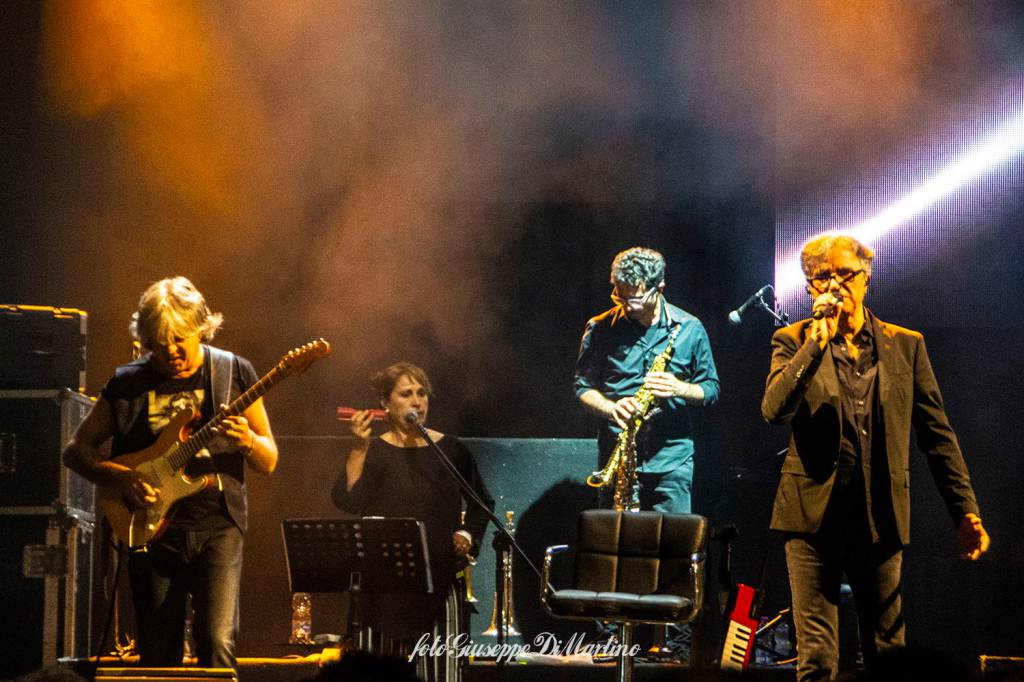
<point x="447" y="183"/>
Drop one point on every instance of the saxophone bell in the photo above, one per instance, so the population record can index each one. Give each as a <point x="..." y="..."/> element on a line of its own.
<point x="604" y="477"/>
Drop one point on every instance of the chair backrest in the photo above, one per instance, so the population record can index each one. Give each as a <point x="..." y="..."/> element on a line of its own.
<point x="638" y="552"/>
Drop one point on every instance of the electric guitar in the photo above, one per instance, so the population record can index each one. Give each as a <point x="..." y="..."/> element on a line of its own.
<point x="162" y="464"/>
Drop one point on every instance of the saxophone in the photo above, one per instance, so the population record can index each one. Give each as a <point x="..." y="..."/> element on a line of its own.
<point x="622" y="463"/>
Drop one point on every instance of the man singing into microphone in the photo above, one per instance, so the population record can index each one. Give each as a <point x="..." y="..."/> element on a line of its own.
<point x="851" y="386"/>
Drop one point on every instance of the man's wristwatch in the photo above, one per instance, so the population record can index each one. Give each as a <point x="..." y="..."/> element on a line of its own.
<point x="246" y="450"/>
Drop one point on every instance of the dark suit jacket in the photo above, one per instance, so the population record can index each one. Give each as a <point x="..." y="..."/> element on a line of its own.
<point x="804" y="392"/>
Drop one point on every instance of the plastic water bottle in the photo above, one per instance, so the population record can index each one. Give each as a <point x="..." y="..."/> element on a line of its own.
<point x="302" y="619"/>
<point x="761" y="657"/>
<point x="782" y="643"/>
<point x="189" y="638"/>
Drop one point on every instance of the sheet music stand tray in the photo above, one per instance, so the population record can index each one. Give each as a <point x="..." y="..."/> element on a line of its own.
<point x="375" y="555"/>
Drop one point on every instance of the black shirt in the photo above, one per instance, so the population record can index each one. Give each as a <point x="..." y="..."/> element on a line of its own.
<point x="143" y="401"/>
<point x="857" y="379"/>
<point x="861" y="488"/>
<point x="399" y="481"/>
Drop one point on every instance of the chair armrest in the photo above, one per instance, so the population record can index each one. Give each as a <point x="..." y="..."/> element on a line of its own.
<point x="549" y="553"/>
<point x="545" y="582"/>
<point x="697" y="570"/>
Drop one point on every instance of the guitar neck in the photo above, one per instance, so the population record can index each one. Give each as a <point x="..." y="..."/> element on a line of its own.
<point x="201" y="438"/>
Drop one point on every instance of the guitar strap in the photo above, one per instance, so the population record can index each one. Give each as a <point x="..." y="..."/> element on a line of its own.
<point x="221" y="364"/>
<point x="222" y="367"/>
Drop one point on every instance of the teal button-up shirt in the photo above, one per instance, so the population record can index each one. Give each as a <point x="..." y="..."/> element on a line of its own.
<point x="615" y="354"/>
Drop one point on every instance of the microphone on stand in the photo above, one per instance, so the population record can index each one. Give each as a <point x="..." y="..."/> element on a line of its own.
<point x="411" y="417"/>
<point x="736" y="316"/>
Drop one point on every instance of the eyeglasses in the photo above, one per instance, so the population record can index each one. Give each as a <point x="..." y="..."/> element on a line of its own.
<point x="823" y="279"/>
<point x="634" y="300"/>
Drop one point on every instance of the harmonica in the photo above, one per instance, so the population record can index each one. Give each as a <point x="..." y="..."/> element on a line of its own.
<point x="345" y="414"/>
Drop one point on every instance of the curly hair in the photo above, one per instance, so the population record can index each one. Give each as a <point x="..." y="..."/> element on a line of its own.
<point x="817" y="249"/>
<point x="173" y="308"/>
<point x="638" y="265"/>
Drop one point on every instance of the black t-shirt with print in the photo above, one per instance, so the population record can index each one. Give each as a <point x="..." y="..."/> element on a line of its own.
<point x="144" y="402"/>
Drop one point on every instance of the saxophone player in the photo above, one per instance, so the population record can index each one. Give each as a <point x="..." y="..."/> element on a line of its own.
<point x="617" y="349"/>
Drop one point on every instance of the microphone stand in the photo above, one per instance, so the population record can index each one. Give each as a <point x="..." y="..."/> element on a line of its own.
<point x="470" y="494"/>
<point x="780" y="318"/>
<point x="757" y="301"/>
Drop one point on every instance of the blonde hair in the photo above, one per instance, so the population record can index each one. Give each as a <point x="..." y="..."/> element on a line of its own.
<point x="173" y="308"/>
<point x="816" y="251"/>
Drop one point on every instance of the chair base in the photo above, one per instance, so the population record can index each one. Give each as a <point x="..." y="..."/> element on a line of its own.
<point x="624" y="670"/>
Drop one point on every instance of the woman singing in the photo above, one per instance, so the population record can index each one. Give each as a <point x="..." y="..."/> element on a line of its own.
<point x="397" y="475"/>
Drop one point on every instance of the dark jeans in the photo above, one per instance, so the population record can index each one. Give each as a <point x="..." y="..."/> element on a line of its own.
<point x="816" y="564"/>
<point x="206" y="564"/>
<point x="670" y="492"/>
<point x="667" y="492"/>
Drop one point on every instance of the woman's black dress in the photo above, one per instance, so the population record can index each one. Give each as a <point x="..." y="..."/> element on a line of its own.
<point x="412" y="482"/>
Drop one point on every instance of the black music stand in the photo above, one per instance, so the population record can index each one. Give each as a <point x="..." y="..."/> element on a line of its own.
<point x="373" y="554"/>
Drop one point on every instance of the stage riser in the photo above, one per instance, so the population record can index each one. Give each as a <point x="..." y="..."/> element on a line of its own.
<point x="267" y="670"/>
<point x="992" y="665"/>
<point x="249" y="670"/>
<point x="606" y="673"/>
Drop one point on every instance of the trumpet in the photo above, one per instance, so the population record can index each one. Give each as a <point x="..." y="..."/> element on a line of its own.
<point x="467" y="570"/>
<point x="503" y="618"/>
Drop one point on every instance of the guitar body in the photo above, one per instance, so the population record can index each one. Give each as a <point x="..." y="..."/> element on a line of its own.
<point x="137" y="527"/>
<point x="739" y="638"/>
<point x="163" y="463"/>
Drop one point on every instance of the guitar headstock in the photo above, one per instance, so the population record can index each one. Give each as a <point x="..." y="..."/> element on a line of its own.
<point x="298" y="360"/>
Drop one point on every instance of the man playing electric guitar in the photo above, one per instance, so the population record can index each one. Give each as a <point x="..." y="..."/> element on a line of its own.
<point x="199" y="552"/>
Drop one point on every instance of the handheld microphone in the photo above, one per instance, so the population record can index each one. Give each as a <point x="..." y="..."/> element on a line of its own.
<point x="828" y="311"/>
<point x="736" y="316"/>
<point x="411" y="417"/>
<point x="345" y="414"/>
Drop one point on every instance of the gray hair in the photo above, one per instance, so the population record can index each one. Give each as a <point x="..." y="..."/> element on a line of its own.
<point x="817" y="249"/>
<point x="173" y="308"/>
<point x="638" y="265"/>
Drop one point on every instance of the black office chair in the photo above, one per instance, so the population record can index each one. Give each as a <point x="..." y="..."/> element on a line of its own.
<point x="631" y="568"/>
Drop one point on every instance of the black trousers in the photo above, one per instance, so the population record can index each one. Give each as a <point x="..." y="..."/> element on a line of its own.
<point x="817" y="563"/>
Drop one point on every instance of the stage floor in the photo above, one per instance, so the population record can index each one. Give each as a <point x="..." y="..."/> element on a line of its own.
<point x="296" y="668"/>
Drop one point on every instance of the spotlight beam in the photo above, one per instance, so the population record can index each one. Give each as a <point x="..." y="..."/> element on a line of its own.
<point x="990" y="153"/>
